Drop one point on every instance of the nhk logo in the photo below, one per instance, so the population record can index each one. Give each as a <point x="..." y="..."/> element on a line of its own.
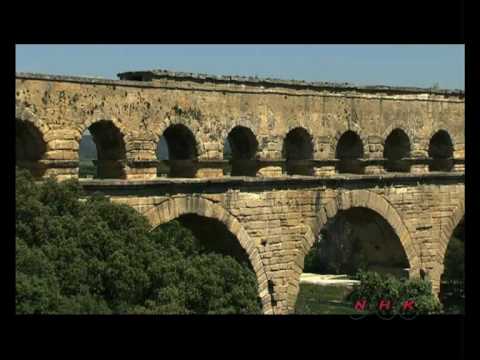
<point x="385" y="309"/>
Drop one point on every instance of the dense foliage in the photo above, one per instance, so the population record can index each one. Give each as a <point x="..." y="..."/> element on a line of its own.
<point x="375" y="287"/>
<point x="96" y="257"/>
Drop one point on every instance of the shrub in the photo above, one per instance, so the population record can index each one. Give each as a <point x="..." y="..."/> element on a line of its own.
<point x="375" y="287"/>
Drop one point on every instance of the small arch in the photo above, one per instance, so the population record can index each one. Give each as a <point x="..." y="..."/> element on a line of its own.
<point x="397" y="147"/>
<point x="24" y="113"/>
<point x="240" y="149"/>
<point x="180" y="149"/>
<point x="102" y="151"/>
<point x="30" y="147"/>
<point x="298" y="152"/>
<point x="349" y="151"/>
<point x="176" y="207"/>
<point x="440" y="150"/>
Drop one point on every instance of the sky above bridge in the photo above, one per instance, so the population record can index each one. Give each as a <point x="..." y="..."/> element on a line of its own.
<point x="393" y="65"/>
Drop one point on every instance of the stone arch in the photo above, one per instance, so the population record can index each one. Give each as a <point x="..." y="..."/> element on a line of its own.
<point x="396" y="126"/>
<point x="174" y="207"/>
<point x="308" y="129"/>
<point x="194" y="126"/>
<point x="349" y="149"/>
<point x="110" y="142"/>
<point x="23" y="113"/>
<point x="298" y="145"/>
<point x="182" y="146"/>
<point x="397" y="145"/>
<point x="243" y="145"/>
<point x="448" y="229"/>
<point x="92" y="120"/>
<point x="247" y="123"/>
<point x="30" y="146"/>
<point x="339" y="133"/>
<point x="353" y="199"/>
<point x="457" y="140"/>
<point x="441" y="148"/>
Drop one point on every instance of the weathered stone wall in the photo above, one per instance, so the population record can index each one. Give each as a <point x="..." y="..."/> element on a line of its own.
<point x="63" y="108"/>
<point x="277" y="227"/>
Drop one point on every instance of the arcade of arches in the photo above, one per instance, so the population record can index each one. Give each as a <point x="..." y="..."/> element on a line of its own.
<point x="276" y="163"/>
<point x="177" y="154"/>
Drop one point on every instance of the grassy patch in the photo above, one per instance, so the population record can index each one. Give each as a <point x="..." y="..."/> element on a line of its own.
<point x="323" y="300"/>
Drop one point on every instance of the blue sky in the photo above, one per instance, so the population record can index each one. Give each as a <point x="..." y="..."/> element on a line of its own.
<point x="395" y="65"/>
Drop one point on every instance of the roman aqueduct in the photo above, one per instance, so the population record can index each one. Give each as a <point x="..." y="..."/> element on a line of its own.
<point x="302" y="154"/>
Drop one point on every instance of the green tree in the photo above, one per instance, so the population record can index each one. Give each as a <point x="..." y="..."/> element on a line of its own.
<point x="97" y="257"/>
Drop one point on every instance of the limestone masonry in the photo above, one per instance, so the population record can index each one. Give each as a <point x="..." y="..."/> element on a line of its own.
<point x="301" y="154"/>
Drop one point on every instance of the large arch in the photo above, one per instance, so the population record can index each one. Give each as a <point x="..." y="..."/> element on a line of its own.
<point x="347" y="200"/>
<point x="450" y="260"/>
<point x="177" y="206"/>
<point x="448" y="228"/>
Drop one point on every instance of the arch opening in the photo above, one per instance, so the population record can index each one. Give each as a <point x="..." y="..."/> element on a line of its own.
<point x="397" y="148"/>
<point x="102" y="152"/>
<point x="349" y="151"/>
<point x="452" y="282"/>
<point x="211" y="236"/>
<point x="30" y="148"/>
<point x="357" y="238"/>
<point x="298" y="152"/>
<point x="354" y="239"/>
<point x="177" y="152"/>
<point x="215" y="237"/>
<point x="440" y="150"/>
<point x="240" y="149"/>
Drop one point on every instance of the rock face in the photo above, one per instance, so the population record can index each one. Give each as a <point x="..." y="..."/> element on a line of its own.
<point x="298" y="155"/>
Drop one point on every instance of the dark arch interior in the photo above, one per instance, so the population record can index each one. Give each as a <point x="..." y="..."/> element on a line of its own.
<point x="29" y="147"/>
<point x="357" y="238"/>
<point x="215" y="237"/>
<point x="102" y="147"/>
<point x="397" y="147"/>
<point x="452" y="283"/>
<point x="298" y="151"/>
<point x="441" y="151"/>
<point x="349" y="150"/>
<point x="182" y="151"/>
<point x="240" y="148"/>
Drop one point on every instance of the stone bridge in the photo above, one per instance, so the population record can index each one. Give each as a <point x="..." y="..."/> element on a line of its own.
<point x="389" y="160"/>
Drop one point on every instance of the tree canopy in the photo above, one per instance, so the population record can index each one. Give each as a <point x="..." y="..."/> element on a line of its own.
<point x="87" y="255"/>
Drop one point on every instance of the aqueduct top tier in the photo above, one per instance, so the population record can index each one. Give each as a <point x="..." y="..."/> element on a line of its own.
<point x="273" y="127"/>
